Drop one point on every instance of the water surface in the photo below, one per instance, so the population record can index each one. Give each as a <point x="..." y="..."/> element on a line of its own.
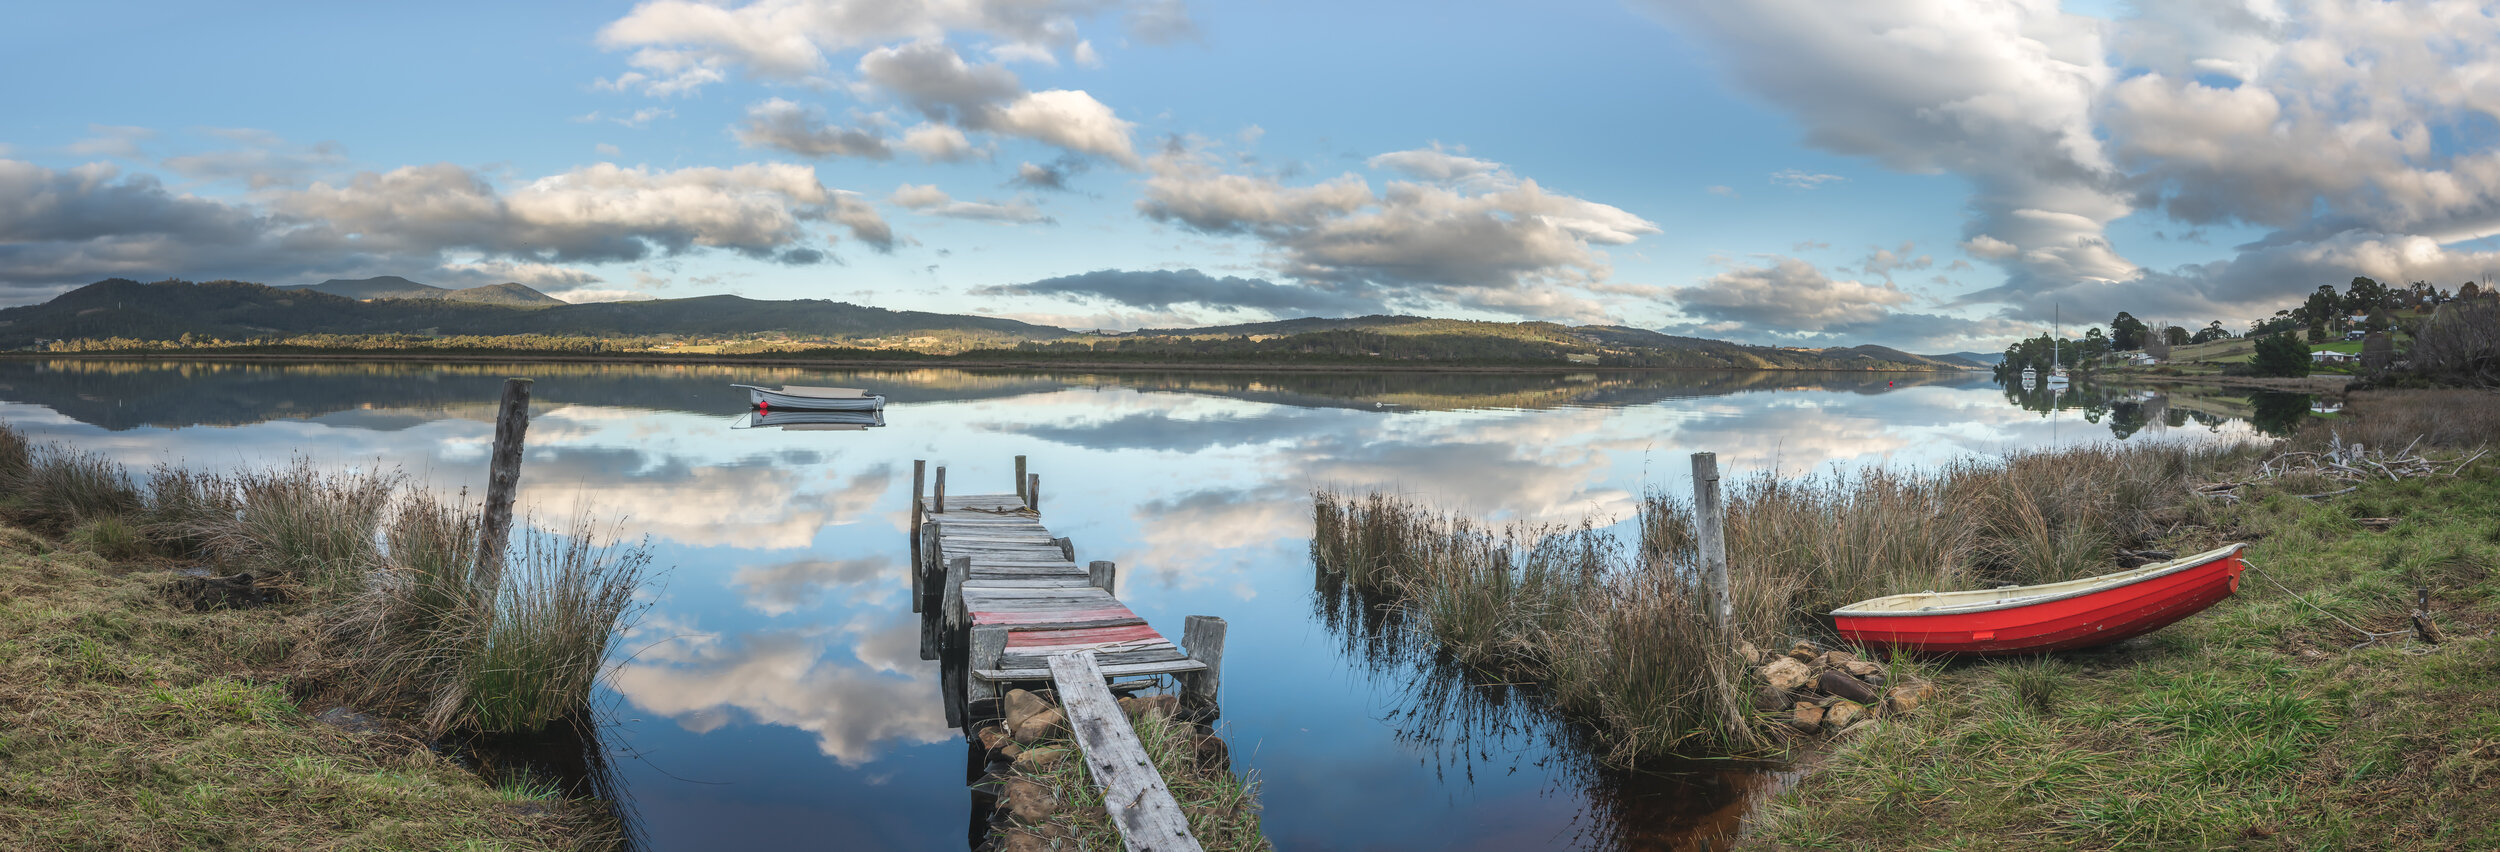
<point x="773" y="694"/>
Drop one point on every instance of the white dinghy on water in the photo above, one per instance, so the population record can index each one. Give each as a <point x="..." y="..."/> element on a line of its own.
<point x="800" y="398"/>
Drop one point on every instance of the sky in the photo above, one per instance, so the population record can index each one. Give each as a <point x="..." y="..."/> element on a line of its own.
<point x="1935" y="175"/>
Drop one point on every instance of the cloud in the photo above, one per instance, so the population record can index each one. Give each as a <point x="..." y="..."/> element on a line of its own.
<point x="1053" y="177"/>
<point x="71" y="226"/>
<point x="1727" y="191"/>
<point x="938" y="143"/>
<point x="928" y="200"/>
<point x="1435" y="164"/>
<point x="2347" y="126"/>
<point x="803" y="130"/>
<point x="1798" y="179"/>
<point x="2002" y="94"/>
<point x="261" y="160"/>
<point x="1164" y="289"/>
<point x="1786" y="295"/>
<point x="1487" y="239"/>
<point x="113" y="141"/>
<point x="678" y="45"/>
<point x="792" y="679"/>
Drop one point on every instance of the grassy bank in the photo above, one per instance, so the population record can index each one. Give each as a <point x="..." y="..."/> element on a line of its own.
<point x="130" y="723"/>
<point x="2250" y="724"/>
<point x="156" y="708"/>
<point x="2256" y="725"/>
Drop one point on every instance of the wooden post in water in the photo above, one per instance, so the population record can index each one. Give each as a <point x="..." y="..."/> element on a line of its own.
<point x="1067" y="548"/>
<point x="956" y="569"/>
<point x="1102" y="574"/>
<point x="1710" y="527"/>
<point x="940" y="506"/>
<point x="919" y="480"/>
<point x="989" y="648"/>
<point x="1203" y="637"/>
<point x="1033" y="493"/>
<point x="1020" y="476"/>
<point x="503" y="477"/>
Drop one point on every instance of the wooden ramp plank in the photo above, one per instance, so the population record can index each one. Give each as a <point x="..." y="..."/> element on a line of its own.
<point x="1149" y="819"/>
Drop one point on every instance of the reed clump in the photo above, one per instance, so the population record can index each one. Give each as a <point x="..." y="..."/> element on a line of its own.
<point x="301" y="524"/>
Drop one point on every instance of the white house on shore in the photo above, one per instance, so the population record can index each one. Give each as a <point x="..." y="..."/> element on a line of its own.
<point x="2327" y="356"/>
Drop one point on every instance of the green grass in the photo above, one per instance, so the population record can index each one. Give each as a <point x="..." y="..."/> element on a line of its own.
<point x="2250" y="726"/>
<point x="128" y="724"/>
<point x="1222" y="806"/>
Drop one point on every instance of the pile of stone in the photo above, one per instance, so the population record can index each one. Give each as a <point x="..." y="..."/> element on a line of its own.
<point x="1818" y="690"/>
<point x="1021" y="748"/>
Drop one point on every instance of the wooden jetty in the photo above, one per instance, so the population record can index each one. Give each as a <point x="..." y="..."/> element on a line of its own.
<point x="1003" y="600"/>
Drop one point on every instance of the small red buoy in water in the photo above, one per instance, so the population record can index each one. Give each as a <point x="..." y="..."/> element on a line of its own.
<point x="765" y="406"/>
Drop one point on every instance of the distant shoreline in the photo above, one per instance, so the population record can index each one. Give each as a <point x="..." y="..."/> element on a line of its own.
<point x="911" y="364"/>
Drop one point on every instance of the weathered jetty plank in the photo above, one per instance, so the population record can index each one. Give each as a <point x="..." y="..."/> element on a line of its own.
<point x="1150" y="820"/>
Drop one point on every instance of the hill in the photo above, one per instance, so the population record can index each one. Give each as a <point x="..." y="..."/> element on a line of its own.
<point x="395" y="287"/>
<point x="1982" y="360"/>
<point x="1888" y="355"/>
<point x="237" y="310"/>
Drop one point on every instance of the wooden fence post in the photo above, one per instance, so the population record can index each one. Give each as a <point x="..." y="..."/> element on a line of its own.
<point x="503" y="477"/>
<point x="1033" y="493"/>
<point x="1710" y="528"/>
<point x="989" y="648"/>
<point x="956" y="569"/>
<point x="1203" y="637"/>
<point x="1020" y="476"/>
<point x="939" y="506"/>
<point x="1102" y="574"/>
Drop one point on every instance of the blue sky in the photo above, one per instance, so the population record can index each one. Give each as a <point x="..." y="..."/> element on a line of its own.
<point x="1934" y="174"/>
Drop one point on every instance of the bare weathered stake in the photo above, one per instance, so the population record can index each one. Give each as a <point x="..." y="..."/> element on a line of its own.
<point x="1067" y="549"/>
<point x="1102" y="574"/>
<point x="1203" y="637"/>
<point x="1033" y="492"/>
<point x="956" y="570"/>
<point x="1710" y="528"/>
<point x="1140" y="804"/>
<point x="940" y="507"/>
<point x="1020" y="477"/>
<point x="989" y="646"/>
<point x="2423" y="627"/>
<point x="919" y="481"/>
<point x="503" y="477"/>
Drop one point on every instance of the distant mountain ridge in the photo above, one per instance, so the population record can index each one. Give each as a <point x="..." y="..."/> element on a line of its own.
<point x="395" y="287"/>
<point x="243" y="311"/>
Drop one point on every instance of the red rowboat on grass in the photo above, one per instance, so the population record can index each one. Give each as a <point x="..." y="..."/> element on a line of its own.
<point x="2048" y="617"/>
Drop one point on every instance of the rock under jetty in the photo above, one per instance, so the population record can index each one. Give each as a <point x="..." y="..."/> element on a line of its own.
<point x="1816" y="691"/>
<point x="1022" y="751"/>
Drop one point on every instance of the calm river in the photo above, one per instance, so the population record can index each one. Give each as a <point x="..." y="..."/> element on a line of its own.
<point x="775" y="698"/>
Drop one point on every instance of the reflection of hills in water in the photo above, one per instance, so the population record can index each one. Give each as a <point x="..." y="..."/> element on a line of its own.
<point x="384" y="395"/>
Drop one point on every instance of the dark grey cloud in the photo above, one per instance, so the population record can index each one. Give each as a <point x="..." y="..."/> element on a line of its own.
<point x="803" y="130"/>
<point x="1163" y="289"/>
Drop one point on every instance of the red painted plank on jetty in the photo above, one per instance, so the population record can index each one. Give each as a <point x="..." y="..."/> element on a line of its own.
<point x="1091" y="635"/>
